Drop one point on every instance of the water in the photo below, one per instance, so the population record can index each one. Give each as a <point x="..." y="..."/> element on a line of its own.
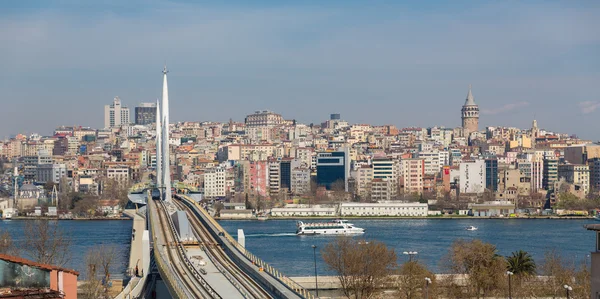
<point x="275" y="242"/>
<point x="85" y="234"/>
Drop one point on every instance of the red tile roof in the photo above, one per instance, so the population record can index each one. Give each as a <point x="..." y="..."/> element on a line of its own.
<point x="22" y="261"/>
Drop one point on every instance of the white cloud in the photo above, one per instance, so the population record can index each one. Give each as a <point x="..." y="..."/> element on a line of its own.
<point x="505" y="108"/>
<point x="588" y="106"/>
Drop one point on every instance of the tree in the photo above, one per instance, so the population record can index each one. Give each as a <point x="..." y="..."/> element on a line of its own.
<point x="92" y="288"/>
<point x="583" y="281"/>
<point x="6" y="243"/>
<point x="411" y="280"/>
<point x="558" y="274"/>
<point x="480" y="261"/>
<point x="521" y="263"/>
<point x="338" y="190"/>
<point x="46" y="242"/>
<point x="218" y="207"/>
<point x="360" y="266"/>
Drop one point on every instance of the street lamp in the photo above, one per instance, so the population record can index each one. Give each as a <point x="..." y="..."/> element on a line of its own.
<point x="427" y="282"/>
<point x="410" y="254"/>
<point x="568" y="289"/>
<point x="314" y="247"/>
<point x="509" y="287"/>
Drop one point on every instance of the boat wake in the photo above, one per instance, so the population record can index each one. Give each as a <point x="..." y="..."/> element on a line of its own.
<point x="271" y="235"/>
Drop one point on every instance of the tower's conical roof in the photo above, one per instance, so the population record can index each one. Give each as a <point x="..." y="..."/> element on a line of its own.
<point x="470" y="101"/>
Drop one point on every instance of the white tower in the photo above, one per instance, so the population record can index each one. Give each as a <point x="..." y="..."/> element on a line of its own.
<point x="159" y="177"/>
<point x="165" y="138"/>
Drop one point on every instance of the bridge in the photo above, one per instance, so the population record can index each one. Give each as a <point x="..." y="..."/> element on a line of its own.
<point x="184" y="246"/>
<point x="206" y="262"/>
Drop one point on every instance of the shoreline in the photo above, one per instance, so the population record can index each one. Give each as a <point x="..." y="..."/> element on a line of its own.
<point x="417" y="218"/>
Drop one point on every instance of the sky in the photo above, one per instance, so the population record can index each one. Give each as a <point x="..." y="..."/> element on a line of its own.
<point x="377" y="62"/>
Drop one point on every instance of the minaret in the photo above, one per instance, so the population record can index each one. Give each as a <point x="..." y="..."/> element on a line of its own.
<point x="470" y="115"/>
<point x="159" y="177"/>
<point x="165" y="138"/>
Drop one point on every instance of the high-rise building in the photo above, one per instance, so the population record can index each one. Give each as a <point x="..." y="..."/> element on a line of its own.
<point x="550" y="172"/>
<point x="333" y="167"/>
<point x="470" y="115"/>
<point x="491" y="174"/>
<point x="115" y="114"/>
<point x="385" y="179"/>
<point x="145" y="114"/>
<point x="413" y="172"/>
<point x="472" y="176"/>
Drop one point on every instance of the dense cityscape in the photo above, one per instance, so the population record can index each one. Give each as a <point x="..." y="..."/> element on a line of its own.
<point x="305" y="150"/>
<point x="295" y="169"/>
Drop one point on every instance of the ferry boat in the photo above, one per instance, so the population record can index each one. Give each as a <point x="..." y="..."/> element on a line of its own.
<point x="336" y="227"/>
<point x="471" y="228"/>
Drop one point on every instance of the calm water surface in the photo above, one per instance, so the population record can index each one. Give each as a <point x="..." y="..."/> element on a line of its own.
<point x="85" y="234"/>
<point x="275" y="241"/>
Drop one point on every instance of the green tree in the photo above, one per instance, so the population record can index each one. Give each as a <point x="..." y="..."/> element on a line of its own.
<point x="521" y="263"/>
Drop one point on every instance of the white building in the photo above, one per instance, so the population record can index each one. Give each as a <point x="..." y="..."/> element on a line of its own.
<point x="472" y="176"/>
<point x="214" y="182"/>
<point x="115" y="114"/>
<point x="118" y="173"/>
<point x="432" y="161"/>
<point x="414" y="209"/>
<point x="385" y="172"/>
<point x="300" y="180"/>
<point x="303" y="210"/>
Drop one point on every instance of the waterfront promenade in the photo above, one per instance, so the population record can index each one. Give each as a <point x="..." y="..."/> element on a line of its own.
<point x="135" y="257"/>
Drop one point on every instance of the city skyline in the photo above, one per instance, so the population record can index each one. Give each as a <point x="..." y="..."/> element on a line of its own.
<point x="406" y="65"/>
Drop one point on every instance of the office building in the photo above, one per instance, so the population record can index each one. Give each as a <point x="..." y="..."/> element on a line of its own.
<point x="550" y="173"/>
<point x="115" y="114"/>
<point x="145" y="114"/>
<point x="491" y="174"/>
<point x="333" y="167"/>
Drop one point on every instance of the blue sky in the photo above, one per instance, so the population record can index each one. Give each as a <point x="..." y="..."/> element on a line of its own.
<point x="380" y="62"/>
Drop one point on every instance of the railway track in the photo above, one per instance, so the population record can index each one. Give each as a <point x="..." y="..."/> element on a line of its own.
<point x="194" y="289"/>
<point x="243" y="282"/>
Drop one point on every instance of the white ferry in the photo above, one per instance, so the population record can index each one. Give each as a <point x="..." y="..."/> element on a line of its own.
<point x="336" y="227"/>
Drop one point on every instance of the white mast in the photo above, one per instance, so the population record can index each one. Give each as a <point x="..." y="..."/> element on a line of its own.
<point x="159" y="178"/>
<point x="165" y="137"/>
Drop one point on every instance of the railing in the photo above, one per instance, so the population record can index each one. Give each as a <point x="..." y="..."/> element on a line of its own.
<point x="292" y="285"/>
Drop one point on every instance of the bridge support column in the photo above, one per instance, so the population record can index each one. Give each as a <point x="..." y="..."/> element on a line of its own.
<point x="241" y="238"/>
<point x="146" y="252"/>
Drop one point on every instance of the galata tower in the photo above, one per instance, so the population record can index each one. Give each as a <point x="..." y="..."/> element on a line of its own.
<point x="470" y="115"/>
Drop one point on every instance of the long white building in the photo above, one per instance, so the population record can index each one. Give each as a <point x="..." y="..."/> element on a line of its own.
<point x="414" y="209"/>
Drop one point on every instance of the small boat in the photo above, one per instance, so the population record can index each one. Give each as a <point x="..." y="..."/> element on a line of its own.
<point x="597" y="217"/>
<point x="262" y="216"/>
<point x="471" y="228"/>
